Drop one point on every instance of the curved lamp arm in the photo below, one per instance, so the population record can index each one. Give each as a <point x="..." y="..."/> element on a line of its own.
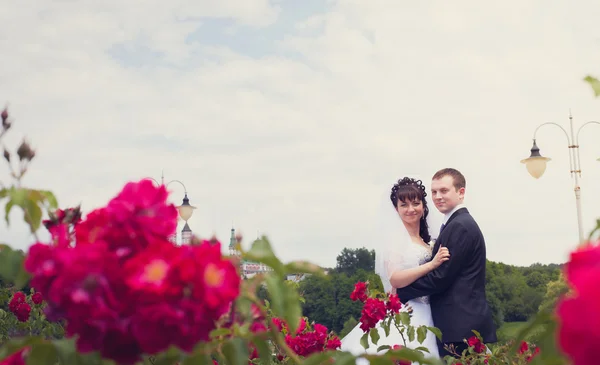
<point x="552" y="123"/>
<point x="185" y="209"/>
<point x="149" y="178"/>
<point x="579" y="130"/>
<point x="577" y="141"/>
<point x="177" y="181"/>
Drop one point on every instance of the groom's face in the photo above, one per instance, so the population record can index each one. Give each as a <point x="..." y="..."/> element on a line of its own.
<point x="445" y="196"/>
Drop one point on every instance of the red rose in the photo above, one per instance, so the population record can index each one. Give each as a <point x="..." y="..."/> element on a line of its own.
<point x="393" y="304"/>
<point x="581" y="261"/>
<point x="37" y="298"/>
<point x="22" y="312"/>
<point x="156" y="325"/>
<point x="579" y="319"/>
<point x="278" y="322"/>
<point x="120" y="346"/>
<point x="150" y="274"/>
<point x="333" y="343"/>
<point x="44" y="264"/>
<point x="476" y="344"/>
<point x="138" y="215"/>
<point x="373" y="311"/>
<point x="18" y="298"/>
<point x="258" y="327"/>
<point x="360" y="292"/>
<point x="524" y="347"/>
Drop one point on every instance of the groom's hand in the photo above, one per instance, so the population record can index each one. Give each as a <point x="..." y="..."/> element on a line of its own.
<point x="408" y="308"/>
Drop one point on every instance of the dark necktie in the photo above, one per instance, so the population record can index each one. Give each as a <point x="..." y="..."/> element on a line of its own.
<point x="442" y="228"/>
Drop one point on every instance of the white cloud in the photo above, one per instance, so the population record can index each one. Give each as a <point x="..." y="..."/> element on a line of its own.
<point x="300" y="147"/>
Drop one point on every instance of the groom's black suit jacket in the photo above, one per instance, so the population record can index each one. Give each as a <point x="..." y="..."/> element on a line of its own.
<point x="457" y="287"/>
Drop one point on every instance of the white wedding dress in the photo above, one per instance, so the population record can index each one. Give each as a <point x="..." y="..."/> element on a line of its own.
<point x="399" y="256"/>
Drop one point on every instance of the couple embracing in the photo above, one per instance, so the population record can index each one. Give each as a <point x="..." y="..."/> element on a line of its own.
<point x="443" y="279"/>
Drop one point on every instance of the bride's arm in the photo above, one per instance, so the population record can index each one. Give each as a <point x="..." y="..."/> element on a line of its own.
<point x="405" y="277"/>
<point x="402" y="278"/>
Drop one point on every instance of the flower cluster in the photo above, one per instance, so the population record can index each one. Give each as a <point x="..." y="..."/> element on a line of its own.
<point x="19" y="307"/>
<point x="123" y="287"/>
<point x="374" y="309"/>
<point x="308" y="339"/>
<point x="526" y="350"/>
<point x="579" y="319"/>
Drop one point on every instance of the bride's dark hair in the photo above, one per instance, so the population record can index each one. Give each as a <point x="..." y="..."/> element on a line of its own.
<point x="409" y="189"/>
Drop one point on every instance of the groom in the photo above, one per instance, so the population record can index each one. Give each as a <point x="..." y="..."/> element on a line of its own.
<point x="456" y="289"/>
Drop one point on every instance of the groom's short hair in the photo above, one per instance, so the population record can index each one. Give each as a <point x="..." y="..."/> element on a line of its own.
<point x="457" y="177"/>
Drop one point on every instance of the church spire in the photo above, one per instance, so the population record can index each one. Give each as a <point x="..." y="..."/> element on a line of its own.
<point x="232" y="239"/>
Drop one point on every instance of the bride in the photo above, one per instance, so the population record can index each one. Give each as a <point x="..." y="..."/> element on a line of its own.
<point x="403" y="255"/>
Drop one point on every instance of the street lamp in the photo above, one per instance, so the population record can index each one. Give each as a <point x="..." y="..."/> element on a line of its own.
<point x="536" y="163"/>
<point x="185" y="209"/>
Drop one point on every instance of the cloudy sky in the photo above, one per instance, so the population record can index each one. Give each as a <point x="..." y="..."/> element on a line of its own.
<point x="292" y="117"/>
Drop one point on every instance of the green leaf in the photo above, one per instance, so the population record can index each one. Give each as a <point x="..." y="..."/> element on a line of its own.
<point x="169" y="357"/>
<point x="410" y="354"/>
<point x="50" y="198"/>
<point x="16" y="344"/>
<point x="42" y="354"/>
<point x="199" y="359"/>
<point x="436" y="331"/>
<point x="386" y="328"/>
<point x="65" y="351"/>
<point x="32" y="213"/>
<point x="303" y="267"/>
<point x="374" y="334"/>
<point x="421" y="333"/>
<point x="264" y="350"/>
<point x="594" y="83"/>
<point x="220" y="332"/>
<point x="317" y="358"/>
<point x="422" y="348"/>
<point x="410" y="331"/>
<point x="22" y="278"/>
<point x="285" y="301"/>
<point x="383" y="347"/>
<point x="11" y="264"/>
<point x="7" y="209"/>
<point x="379" y="361"/>
<point x="404" y="318"/>
<point x="262" y="251"/>
<point x="236" y="351"/>
<point x="364" y="341"/>
<point x="342" y="358"/>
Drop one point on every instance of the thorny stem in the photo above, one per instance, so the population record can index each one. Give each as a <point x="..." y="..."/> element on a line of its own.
<point x="401" y="334"/>
<point x="278" y="339"/>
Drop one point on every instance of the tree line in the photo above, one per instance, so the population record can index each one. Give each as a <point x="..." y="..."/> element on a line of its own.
<point x="514" y="293"/>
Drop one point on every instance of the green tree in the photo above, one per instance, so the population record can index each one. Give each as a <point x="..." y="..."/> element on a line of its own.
<point x="351" y="260"/>
<point x="554" y="291"/>
<point x="348" y="326"/>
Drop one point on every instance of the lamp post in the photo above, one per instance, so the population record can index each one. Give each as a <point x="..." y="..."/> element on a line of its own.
<point x="536" y="163"/>
<point x="185" y="209"/>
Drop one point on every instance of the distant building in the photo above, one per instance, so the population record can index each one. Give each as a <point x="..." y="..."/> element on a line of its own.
<point x="247" y="268"/>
